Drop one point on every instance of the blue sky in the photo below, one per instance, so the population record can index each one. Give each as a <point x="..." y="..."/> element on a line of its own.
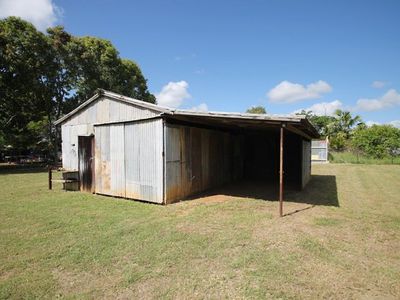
<point x="229" y="55"/>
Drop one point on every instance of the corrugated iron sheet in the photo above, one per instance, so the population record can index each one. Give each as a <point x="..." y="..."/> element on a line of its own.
<point x="66" y="146"/>
<point x="130" y="161"/>
<point x="70" y="144"/>
<point x="102" y="160"/>
<point x="103" y="110"/>
<point x="173" y="163"/>
<point x="106" y="110"/>
<point x="117" y="160"/>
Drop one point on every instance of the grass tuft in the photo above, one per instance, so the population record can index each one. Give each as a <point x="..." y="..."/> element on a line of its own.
<point x="323" y="221"/>
<point x="315" y="247"/>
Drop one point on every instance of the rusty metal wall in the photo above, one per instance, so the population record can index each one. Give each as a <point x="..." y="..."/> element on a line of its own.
<point x="129" y="161"/>
<point x="306" y="163"/>
<point x="104" y="110"/>
<point x="198" y="159"/>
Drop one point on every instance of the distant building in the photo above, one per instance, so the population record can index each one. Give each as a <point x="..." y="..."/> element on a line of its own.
<point x="319" y="151"/>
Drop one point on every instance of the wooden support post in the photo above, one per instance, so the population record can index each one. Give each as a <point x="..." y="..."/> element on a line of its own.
<point x="50" y="182"/>
<point x="281" y="174"/>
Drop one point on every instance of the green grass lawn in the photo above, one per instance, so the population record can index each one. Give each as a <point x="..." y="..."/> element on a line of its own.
<point x="57" y="244"/>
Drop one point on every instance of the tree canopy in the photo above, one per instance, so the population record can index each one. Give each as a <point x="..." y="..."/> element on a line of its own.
<point x="377" y="141"/>
<point x="256" y="110"/>
<point x="43" y="76"/>
<point x="346" y="131"/>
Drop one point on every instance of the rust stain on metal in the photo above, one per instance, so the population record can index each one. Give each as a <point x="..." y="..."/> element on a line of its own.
<point x="174" y="194"/>
<point x="133" y="195"/>
<point x="105" y="175"/>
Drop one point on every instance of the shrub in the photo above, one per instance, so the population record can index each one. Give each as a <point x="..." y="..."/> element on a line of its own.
<point x="377" y="141"/>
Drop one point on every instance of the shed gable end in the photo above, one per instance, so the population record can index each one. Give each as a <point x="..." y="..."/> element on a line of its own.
<point x="106" y="110"/>
<point x="101" y="110"/>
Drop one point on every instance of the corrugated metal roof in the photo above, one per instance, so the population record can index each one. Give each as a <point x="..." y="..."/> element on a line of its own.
<point x="299" y="121"/>
<point x="236" y="115"/>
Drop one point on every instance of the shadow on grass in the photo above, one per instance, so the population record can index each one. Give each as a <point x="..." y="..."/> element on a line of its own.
<point x="321" y="190"/>
<point x="19" y="169"/>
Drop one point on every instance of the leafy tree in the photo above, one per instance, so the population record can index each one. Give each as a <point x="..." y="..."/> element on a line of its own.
<point x="345" y="122"/>
<point x="99" y="66"/>
<point x="43" y="76"/>
<point x="307" y="113"/>
<point x="134" y="83"/>
<point x="64" y="74"/>
<point x="256" y="110"/>
<point x="24" y="72"/>
<point x="340" y="129"/>
<point x="337" y="128"/>
<point x="40" y="140"/>
<point x="338" y="142"/>
<point x="377" y="141"/>
<point x="321" y="123"/>
<point x="342" y="121"/>
<point x="2" y="140"/>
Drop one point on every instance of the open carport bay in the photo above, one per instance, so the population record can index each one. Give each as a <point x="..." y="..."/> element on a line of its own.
<point x="199" y="157"/>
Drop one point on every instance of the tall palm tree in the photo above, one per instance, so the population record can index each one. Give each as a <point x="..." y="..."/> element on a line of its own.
<point x="345" y="122"/>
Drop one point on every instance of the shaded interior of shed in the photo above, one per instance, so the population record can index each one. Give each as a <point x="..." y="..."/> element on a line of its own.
<point x="261" y="156"/>
<point x="213" y="154"/>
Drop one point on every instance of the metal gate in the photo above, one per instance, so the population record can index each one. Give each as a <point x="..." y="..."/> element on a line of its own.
<point x="86" y="163"/>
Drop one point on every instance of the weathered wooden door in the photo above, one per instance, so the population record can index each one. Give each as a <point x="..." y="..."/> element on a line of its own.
<point x="86" y="163"/>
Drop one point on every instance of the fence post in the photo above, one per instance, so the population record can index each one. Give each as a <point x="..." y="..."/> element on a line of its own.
<point x="50" y="175"/>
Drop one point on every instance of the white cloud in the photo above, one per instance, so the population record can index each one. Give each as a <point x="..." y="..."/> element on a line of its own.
<point x="390" y="99"/>
<point x="370" y="123"/>
<point x="42" y="13"/>
<point x="173" y="94"/>
<point x="288" y="92"/>
<point x="395" y="123"/>
<point x="202" y="107"/>
<point x="324" y="108"/>
<point x="378" y="84"/>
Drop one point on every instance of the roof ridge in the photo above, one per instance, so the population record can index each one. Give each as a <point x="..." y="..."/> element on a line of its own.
<point x="175" y="111"/>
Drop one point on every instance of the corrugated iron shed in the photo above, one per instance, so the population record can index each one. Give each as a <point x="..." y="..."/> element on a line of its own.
<point x="152" y="153"/>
